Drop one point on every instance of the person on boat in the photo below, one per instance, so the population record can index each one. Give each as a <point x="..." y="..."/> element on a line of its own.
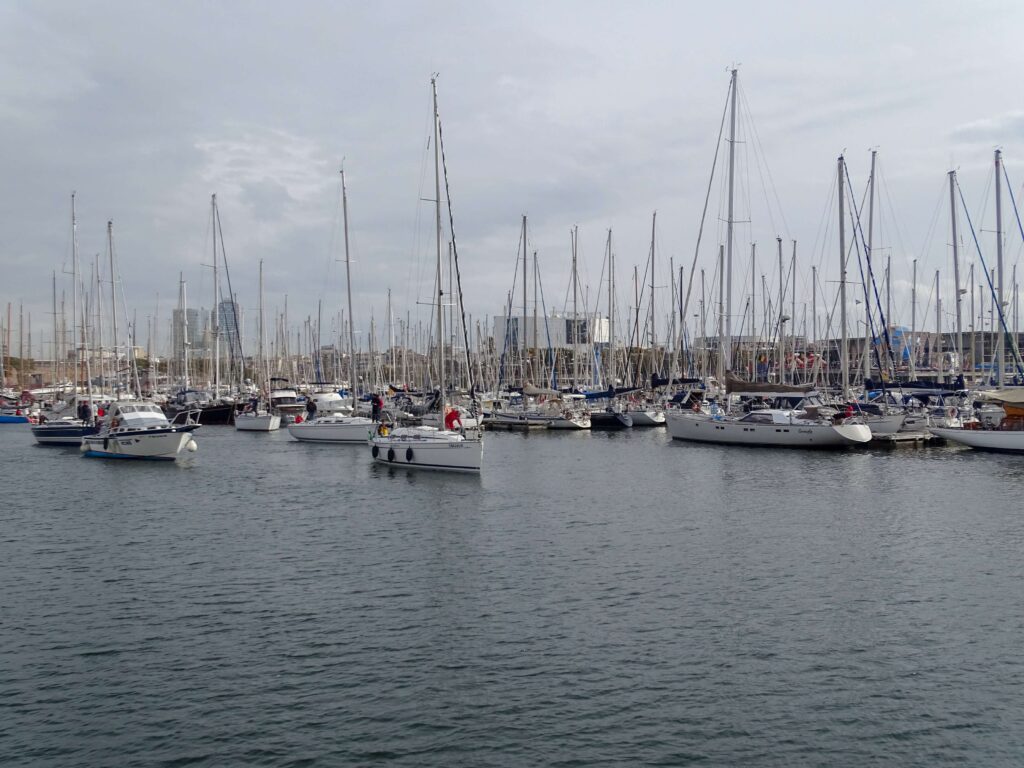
<point x="254" y="404"/>
<point x="376" y="405"/>
<point x="310" y="409"/>
<point x="451" y="419"/>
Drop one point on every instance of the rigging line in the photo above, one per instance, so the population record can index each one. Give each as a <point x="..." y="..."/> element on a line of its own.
<point x="748" y="123"/>
<point x="988" y="278"/>
<point x="707" y="198"/>
<point x="858" y="242"/>
<point x="458" y="272"/>
<point x="759" y="147"/>
<point x="1020" y="227"/>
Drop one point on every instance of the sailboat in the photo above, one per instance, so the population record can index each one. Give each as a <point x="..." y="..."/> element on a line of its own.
<point x="255" y="418"/>
<point x="432" y="447"/>
<point x="69" y="429"/>
<point x="335" y="427"/>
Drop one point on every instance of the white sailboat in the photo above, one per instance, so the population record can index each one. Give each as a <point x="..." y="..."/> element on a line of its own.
<point x="431" y="447"/>
<point x="796" y="418"/>
<point x="336" y="427"/>
<point x="257" y="418"/>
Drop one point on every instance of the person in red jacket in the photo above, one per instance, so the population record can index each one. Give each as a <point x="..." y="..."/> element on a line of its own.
<point x="451" y="419"/>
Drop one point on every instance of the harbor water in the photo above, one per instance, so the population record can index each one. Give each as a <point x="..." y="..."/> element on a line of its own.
<point x="592" y="599"/>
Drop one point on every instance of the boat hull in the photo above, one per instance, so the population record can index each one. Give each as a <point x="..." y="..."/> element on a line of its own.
<point x="263" y="422"/>
<point x="150" y="445"/>
<point x="701" y="428"/>
<point x="416" y="449"/>
<point x="610" y="420"/>
<point x="5" y="419"/>
<point x="1004" y="441"/>
<point x="651" y="418"/>
<point x="354" y="429"/>
<point x="57" y="433"/>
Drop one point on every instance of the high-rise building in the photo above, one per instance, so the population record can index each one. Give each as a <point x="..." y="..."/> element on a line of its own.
<point x="229" y="320"/>
<point x="185" y="329"/>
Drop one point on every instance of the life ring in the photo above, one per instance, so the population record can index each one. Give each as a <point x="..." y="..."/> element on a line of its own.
<point x="375" y="451"/>
<point x="408" y="454"/>
<point x="391" y="454"/>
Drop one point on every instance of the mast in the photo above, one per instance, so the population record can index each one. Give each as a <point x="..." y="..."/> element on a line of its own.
<point x="725" y="356"/>
<point x="611" y="312"/>
<point x="721" y="314"/>
<point x="998" y="313"/>
<point x="216" y="301"/>
<point x="792" y="319"/>
<point x="654" y="317"/>
<point x="348" y="287"/>
<point x="53" y="362"/>
<point x="575" y="320"/>
<point x="913" y="323"/>
<point x="844" y="351"/>
<point x="781" y="321"/>
<point x="525" y="352"/>
<point x="956" y="271"/>
<point x="113" y="307"/>
<point x="938" y="324"/>
<point x="867" y="272"/>
<point x="753" y="311"/>
<point x="440" y="285"/>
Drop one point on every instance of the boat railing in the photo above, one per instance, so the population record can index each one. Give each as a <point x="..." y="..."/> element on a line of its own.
<point x="191" y="418"/>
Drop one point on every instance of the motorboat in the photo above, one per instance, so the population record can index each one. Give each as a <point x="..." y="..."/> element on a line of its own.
<point x="140" y="430"/>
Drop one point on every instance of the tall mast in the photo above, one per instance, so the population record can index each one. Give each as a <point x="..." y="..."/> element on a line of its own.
<point x="523" y="326"/>
<point x="753" y="310"/>
<point x="440" y="285"/>
<point x="867" y="272"/>
<point x="844" y="351"/>
<point x="998" y="313"/>
<point x="956" y="272"/>
<point x="726" y="354"/>
<point x="113" y="306"/>
<point x="611" y="312"/>
<point x="721" y="315"/>
<point x="938" y="324"/>
<point x="348" y="286"/>
<point x="216" y="300"/>
<point x="535" y="281"/>
<point x="792" y="318"/>
<point x="780" y="321"/>
<point x="654" y="317"/>
<point x="913" y="323"/>
<point x="74" y="296"/>
<point x="575" y="317"/>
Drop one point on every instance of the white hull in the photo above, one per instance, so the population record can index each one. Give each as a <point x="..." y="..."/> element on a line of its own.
<point x="263" y="422"/>
<point x="702" y="428"/>
<point x="428" y="448"/>
<point x="984" y="439"/>
<point x="138" y="445"/>
<point x="570" y="421"/>
<point x="652" y="418"/>
<point x="334" y="429"/>
<point x="885" y="426"/>
<point x="517" y="419"/>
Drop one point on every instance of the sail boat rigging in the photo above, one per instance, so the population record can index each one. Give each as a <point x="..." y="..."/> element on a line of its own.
<point x="427" y="447"/>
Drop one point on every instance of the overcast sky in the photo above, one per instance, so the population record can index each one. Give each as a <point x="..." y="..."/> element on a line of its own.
<point x="574" y="113"/>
